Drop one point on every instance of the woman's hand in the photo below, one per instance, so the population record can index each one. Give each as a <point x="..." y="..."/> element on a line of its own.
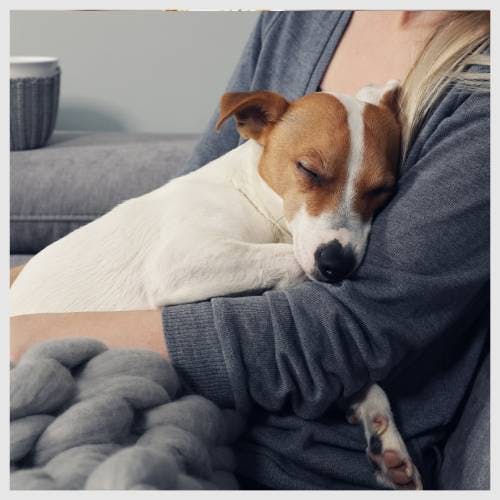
<point x="130" y="329"/>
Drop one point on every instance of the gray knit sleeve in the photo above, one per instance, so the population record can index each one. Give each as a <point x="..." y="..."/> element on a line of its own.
<point x="424" y="278"/>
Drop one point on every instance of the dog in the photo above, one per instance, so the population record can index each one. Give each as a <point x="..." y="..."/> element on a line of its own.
<point x="293" y="202"/>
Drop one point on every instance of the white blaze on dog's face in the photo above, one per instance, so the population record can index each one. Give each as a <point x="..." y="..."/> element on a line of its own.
<point x="333" y="159"/>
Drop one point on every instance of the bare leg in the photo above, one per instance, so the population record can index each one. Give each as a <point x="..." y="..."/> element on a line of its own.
<point x="386" y="449"/>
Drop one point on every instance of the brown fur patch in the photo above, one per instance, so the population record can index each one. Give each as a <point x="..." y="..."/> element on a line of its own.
<point x="391" y="100"/>
<point x="380" y="160"/>
<point x="313" y="130"/>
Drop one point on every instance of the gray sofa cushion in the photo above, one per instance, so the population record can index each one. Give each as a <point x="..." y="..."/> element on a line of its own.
<point x="19" y="260"/>
<point x="81" y="175"/>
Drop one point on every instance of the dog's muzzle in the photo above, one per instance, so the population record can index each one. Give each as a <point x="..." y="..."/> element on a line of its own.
<point x="334" y="262"/>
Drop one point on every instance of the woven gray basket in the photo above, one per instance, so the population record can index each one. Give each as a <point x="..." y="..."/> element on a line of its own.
<point x="33" y="110"/>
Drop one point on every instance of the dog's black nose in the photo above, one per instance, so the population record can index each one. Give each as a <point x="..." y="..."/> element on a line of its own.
<point x="335" y="262"/>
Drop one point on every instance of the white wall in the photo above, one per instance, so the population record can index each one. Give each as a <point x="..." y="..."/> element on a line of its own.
<point x="136" y="71"/>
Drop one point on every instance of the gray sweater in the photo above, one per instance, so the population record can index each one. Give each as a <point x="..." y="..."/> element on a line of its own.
<point x="414" y="318"/>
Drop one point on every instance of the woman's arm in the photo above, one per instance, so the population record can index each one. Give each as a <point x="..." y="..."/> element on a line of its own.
<point x="424" y="279"/>
<point x="131" y="329"/>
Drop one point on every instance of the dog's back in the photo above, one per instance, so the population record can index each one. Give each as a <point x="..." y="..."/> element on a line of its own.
<point x="142" y="254"/>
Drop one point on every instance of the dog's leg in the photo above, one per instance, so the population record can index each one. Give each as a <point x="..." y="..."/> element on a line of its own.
<point x="386" y="449"/>
<point x="280" y="268"/>
<point x="260" y="266"/>
<point x="225" y="268"/>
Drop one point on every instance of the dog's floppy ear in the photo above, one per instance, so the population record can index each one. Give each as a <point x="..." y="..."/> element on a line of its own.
<point x="255" y="112"/>
<point x="382" y="95"/>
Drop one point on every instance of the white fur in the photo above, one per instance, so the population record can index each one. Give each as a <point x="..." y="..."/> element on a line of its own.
<point x="374" y="93"/>
<point x="356" y="126"/>
<point x="311" y="232"/>
<point x="213" y="232"/>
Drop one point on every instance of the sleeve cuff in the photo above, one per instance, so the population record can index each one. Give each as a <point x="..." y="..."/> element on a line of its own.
<point x="195" y="350"/>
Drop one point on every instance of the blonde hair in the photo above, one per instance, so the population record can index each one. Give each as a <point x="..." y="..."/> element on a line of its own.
<point x="456" y="44"/>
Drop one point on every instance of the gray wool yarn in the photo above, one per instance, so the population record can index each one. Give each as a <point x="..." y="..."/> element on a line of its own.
<point x="70" y="353"/>
<point x="188" y="449"/>
<point x="87" y="417"/>
<point x="71" y="468"/>
<point x="139" y="392"/>
<point x="102" y="419"/>
<point x="138" y="362"/>
<point x="32" y="479"/>
<point x="222" y="457"/>
<point x="185" y="482"/>
<point x="133" y="466"/>
<point x="192" y="413"/>
<point x="39" y="386"/>
<point x="224" y="480"/>
<point x="24" y="432"/>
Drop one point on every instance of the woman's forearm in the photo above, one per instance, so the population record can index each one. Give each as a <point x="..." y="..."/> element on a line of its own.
<point x="130" y="329"/>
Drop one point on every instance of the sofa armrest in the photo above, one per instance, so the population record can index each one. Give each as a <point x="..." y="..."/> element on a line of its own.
<point x="82" y="175"/>
<point x="19" y="259"/>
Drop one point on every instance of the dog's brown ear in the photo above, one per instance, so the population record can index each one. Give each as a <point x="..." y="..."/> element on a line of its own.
<point x="382" y="95"/>
<point x="390" y="98"/>
<point x="255" y="112"/>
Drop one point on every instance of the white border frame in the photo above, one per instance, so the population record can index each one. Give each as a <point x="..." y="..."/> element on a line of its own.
<point x="214" y="5"/>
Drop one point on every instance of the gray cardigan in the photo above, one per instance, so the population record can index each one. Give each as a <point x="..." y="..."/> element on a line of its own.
<point x="414" y="317"/>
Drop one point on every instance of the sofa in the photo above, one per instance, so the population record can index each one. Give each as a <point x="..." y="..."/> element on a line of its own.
<point x="81" y="175"/>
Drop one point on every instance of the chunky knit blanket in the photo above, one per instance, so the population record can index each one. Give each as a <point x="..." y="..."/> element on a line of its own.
<point x="87" y="417"/>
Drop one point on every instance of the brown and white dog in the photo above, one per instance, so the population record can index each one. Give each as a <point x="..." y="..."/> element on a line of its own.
<point x="332" y="159"/>
<point x="294" y="201"/>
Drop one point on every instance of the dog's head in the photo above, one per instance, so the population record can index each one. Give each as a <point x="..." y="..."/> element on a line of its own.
<point x="333" y="160"/>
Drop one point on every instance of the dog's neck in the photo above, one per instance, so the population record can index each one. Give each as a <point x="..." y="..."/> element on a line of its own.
<point x="248" y="181"/>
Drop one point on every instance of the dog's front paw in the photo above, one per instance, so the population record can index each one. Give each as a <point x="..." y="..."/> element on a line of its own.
<point x="292" y="274"/>
<point x="386" y="449"/>
<point x="388" y="454"/>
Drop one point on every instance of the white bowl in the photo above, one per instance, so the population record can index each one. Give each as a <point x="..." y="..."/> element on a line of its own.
<point x="33" y="66"/>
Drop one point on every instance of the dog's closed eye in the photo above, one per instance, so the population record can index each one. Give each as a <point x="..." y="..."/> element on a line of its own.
<point x="306" y="169"/>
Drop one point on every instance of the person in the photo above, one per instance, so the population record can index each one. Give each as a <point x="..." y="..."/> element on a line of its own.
<point x="414" y="318"/>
